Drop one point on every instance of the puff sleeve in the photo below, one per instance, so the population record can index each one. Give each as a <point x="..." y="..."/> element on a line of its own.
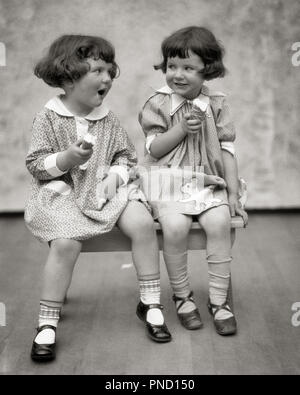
<point x="225" y="126"/>
<point x="153" y="118"/>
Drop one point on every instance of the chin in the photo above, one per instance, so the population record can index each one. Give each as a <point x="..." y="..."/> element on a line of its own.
<point x="99" y="102"/>
<point x="183" y="92"/>
<point x="179" y="91"/>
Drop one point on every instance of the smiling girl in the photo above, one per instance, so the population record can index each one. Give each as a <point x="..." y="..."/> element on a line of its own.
<point x="189" y="138"/>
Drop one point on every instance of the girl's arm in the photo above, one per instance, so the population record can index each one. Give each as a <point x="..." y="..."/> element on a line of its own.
<point x="226" y="135"/>
<point x="42" y="161"/>
<point x="156" y="124"/>
<point x="125" y="156"/>
<point x="108" y="187"/>
<point x="231" y="173"/>
<point x="164" y="143"/>
<point x="232" y="181"/>
<point x="41" y="157"/>
<point x="124" y="159"/>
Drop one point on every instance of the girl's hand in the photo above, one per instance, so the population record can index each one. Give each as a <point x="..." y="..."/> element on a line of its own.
<point x="107" y="189"/>
<point x="190" y="124"/>
<point x="235" y="208"/>
<point x="214" y="180"/>
<point x="75" y="155"/>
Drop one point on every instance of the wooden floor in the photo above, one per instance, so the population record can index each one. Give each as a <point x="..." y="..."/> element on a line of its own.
<point x="100" y="334"/>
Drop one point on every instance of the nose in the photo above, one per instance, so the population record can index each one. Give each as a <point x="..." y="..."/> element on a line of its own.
<point x="106" y="77"/>
<point x="178" y="74"/>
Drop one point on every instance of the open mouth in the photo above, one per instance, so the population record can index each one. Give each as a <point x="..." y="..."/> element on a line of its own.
<point x="101" y="92"/>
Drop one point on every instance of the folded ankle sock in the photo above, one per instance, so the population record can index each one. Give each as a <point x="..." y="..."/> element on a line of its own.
<point x="49" y="315"/>
<point x="150" y="294"/>
<point x="219" y="280"/>
<point x="178" y="275"/>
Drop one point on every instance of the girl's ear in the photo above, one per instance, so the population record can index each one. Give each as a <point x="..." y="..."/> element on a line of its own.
<point x="68" y="85"/>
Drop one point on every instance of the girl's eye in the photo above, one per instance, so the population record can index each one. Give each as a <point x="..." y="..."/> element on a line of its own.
<point x="171" y="66"/>
<point x="111" y="72"/>
<point x="188" y="68"/>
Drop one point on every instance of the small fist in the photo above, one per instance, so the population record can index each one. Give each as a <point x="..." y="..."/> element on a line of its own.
<point x="77" y="155"/>
<point x="191" y="124"/>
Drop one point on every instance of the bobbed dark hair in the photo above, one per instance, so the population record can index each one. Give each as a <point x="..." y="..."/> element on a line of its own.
<point x="66" y="59"/>
<point x="202" y="42"/>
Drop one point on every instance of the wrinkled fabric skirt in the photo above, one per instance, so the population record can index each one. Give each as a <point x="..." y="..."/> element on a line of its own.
<point x="53" y="211"/>
<point x="173" y="190"/>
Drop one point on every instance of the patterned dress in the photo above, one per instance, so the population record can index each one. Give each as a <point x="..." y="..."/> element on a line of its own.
<point x="175" y="183"/>
<point x="65" y="204"/>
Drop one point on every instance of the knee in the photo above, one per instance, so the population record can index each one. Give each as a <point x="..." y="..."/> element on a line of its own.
<point x="175" y="231"/>
<point x="142" y="227"/>
<point x="218" y="224"/>
<point x="65" y="247"/>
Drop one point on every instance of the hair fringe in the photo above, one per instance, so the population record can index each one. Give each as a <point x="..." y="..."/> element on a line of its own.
<point x="202" y="42"/>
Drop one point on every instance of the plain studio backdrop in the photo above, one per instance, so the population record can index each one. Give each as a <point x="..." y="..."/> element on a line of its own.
<point x="262" y="42"/>
<point x="262" y="83"/>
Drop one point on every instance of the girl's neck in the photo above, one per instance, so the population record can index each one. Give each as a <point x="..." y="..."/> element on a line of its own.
<point x="76" y="108"/>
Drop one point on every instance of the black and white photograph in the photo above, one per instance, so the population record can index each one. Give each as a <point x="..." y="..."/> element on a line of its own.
<point x="150" y="190"/>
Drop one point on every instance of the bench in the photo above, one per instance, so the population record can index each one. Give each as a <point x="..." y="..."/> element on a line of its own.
<point x="117" y="241"/>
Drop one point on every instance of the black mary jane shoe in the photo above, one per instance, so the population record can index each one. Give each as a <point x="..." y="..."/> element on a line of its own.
<point x="157" y="333"/>
<point x="43" y="352"/>
<point x="192" y="319"/>
<point x="225" y="327"/>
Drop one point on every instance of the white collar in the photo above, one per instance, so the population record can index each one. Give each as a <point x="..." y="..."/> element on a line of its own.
<point x="177" y="101"/>
<point x="56" y="105"/>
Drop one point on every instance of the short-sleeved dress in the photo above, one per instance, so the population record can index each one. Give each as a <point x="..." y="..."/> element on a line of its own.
<point x="65" y="204"/>
<point x="167" y="187"/>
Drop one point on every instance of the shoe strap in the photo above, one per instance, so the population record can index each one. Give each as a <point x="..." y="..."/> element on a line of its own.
<point x="154" y="306"/>
<point x="215" y="308"/>
<point x="183" y="300"/>
<point x="43" y="327"/>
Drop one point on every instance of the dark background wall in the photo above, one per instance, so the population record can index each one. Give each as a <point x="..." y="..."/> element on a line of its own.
<point x="263" y="81"/>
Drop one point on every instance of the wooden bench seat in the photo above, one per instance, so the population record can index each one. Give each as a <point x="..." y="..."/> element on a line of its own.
<point x="117" y="241"/>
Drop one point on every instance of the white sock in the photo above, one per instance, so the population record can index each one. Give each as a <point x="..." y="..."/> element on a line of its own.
<point x="219" y="279"/>
<point x="47" y="336"/>
<point x="49" y="315"/>
<point x="155" y="317"/>
<point x="150" y="294"/>
<point x="177" y="268"/>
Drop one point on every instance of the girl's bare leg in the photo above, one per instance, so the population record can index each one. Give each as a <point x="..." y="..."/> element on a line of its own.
<point x="59" y="268"/>
<point x="137" y="223"/>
